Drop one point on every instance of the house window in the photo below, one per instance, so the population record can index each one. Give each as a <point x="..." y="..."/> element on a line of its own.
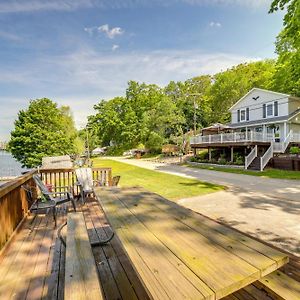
<point x="243" y="115"/>
<point x="270" y="110"/>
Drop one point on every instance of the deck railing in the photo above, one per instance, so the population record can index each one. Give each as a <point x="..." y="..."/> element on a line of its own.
<point x="235" y="137"/>
<point x="266" y="157"/>
<point x="67" y="177"/>
<point x="13" y="205"/>
<point x="13" y="202"/>
<point x="295" y="137"/>
<point x="249" y="158"/>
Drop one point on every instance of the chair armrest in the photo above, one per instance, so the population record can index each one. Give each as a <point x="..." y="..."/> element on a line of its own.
<point x="59" y="193"/>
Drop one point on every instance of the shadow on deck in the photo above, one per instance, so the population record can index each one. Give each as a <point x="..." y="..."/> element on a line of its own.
<point x="32" y="266"/>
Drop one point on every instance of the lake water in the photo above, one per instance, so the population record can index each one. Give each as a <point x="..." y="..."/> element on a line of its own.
<point x="9" y="166"/>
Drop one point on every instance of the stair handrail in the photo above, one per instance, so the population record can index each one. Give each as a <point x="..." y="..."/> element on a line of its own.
<point x="266" y="157"/>
<point x="250" y="157"/>
<point x="287" y="140"/>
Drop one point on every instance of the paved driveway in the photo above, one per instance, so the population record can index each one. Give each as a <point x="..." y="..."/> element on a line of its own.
<point x="263" y="207"/>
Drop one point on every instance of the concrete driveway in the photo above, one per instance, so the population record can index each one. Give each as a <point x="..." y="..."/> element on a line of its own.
<point x="266" y="208"/>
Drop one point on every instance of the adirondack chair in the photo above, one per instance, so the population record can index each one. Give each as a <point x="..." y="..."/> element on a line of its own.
<point x="85" y="182"/>
<point x="37" y="204"/>
<point x="115" y="180"/>
<point x="58" y="197"/>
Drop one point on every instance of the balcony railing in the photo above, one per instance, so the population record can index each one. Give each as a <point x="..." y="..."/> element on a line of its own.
<point x="234" y="137"/>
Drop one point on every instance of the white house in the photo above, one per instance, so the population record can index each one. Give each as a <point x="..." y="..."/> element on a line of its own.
<point x="263" y="121"/>
<point x="267" y="112"/>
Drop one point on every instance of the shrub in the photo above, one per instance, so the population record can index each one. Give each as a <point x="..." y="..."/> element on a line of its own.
<point x="203" y="155"/>
<point x="238" y="159"/>
<point x="294" y="150"/>
<point x="222" y="161"/>
<point x="115" y="150"/>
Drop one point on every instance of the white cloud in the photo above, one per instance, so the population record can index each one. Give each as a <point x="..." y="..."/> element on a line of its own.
<point x="115" y="47"/>
<point x="90" y="30"/>
<point x="15" y="6"/>
<point x="215" y="24"/>
<point x="84" y="77"/>
<point x="110" y="33"/>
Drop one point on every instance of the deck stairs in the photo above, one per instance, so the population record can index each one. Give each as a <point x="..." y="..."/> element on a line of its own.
<point x="257" y="160"/>
<point x="255" y="164"/>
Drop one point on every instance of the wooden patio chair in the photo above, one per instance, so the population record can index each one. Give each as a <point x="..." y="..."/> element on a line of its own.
<point x="59" y="197"/>
<point x="115" y="180"/>
<point x="86" y="182"/>
<point x="36" y="203"/>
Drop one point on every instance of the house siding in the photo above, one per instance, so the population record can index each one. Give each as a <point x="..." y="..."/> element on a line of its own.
<point x="256" y="106"/>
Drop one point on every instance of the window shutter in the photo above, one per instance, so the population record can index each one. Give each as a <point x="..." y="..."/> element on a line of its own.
<point x="264" y="111"/>
<point x="247" y="113"/>
<point x="276" y="108"/>
<point x="238" y="116"/>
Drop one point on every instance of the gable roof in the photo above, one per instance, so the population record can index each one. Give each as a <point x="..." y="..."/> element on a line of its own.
<point x="257" y="89"/>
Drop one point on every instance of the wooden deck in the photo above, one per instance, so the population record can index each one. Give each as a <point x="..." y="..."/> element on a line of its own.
<point x="32" y="266"/>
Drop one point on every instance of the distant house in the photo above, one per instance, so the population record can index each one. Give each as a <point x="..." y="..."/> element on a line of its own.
<point x="263" y="123"/>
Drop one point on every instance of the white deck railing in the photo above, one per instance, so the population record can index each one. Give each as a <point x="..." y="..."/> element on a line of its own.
<point x="236" y="137"/>
<point x="266" y="157"/>
<point x="295" y="137"/>
<point x="249" y="158"/>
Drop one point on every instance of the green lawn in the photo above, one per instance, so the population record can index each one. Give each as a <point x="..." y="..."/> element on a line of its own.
<point x="270" y="173"/>
<point x="169" y="186"/>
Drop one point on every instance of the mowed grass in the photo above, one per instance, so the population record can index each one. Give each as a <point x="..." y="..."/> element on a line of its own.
<point x="169" y="186"/>
<point x="270" y="173"/>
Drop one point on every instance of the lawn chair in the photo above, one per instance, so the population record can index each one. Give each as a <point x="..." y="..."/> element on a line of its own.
<point x="115" y="180"/>
<point x="85" y="182"/>
<point x="64" y="196"/>
<point x="36" y="204"/>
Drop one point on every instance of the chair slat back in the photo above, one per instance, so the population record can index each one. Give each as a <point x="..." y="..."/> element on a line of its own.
<point x="85" y="178"/>
<point x="41" y="186"/>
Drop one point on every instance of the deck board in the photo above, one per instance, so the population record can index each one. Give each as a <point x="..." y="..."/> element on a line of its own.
<point x="38" y="273"/>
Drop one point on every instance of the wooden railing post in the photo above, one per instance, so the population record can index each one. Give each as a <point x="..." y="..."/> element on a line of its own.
<point x="13" y="206"/>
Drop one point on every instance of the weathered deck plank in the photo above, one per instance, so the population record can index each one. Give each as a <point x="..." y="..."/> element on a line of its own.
<point x="49" y="266"/>
<point x="145" y="250"/>
<point x="81" y="278"/>
<point x="232" y="266"/>
<point x="248" y="249"/>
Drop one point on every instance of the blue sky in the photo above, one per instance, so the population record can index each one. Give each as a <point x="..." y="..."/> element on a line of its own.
<point x="77" y="52"/>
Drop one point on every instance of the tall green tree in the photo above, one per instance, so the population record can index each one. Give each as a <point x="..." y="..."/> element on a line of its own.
<point x="229" y="86"/>
<point x="287" y="76"/>
<point x="41" y="130"/>
<point x="146" y="115"/>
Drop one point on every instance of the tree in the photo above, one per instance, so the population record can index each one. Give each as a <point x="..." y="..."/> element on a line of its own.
<point x="41" y="130"/>
<point x="229" y="86"/>
<point x="145" y="115"/>
<point x="287" y="76"/>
